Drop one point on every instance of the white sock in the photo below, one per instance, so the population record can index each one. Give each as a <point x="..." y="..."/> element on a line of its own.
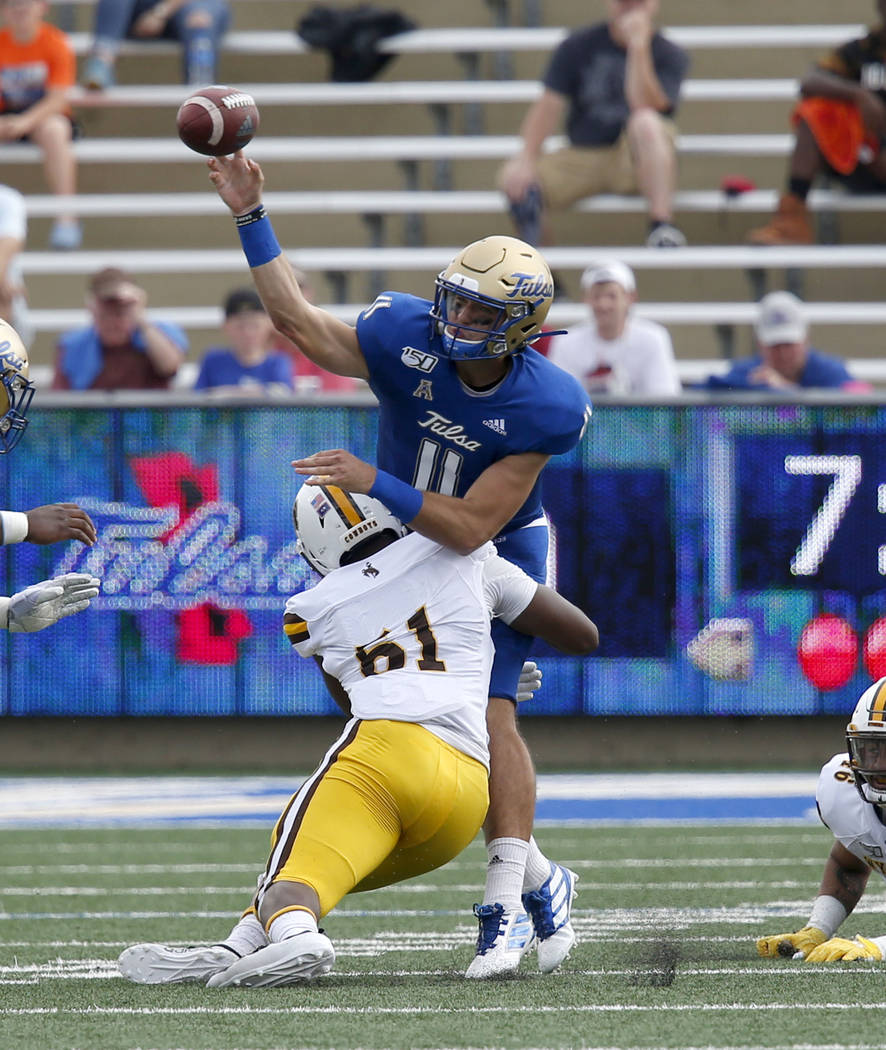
<point x="291" y="924"/>
<point x="504" y="872"/>
<point x="538" y="868"/>
<point x="246" y="937"/>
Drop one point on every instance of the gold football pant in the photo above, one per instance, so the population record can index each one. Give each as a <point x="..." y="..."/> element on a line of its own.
<point x="389" y="801"/>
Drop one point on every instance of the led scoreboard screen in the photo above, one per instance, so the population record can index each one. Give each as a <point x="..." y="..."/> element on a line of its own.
<point x="733" y="556"/>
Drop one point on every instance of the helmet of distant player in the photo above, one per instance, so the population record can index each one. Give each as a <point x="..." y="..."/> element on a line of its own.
<point x="16" y="390"/>
<point x="492" y="299"/>
<point x="866" y="740"/>
<point x="332" y="524"/>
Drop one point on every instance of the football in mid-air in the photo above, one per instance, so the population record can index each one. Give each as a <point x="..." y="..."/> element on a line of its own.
<point x="217" y="120"/>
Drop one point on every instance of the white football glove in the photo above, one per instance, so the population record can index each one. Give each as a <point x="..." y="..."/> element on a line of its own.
<point x="530" y="680"/>
<point x="45" y="603"/>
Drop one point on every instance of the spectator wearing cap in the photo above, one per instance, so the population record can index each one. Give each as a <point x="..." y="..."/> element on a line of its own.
<point x="616" y="352"/>
<point x="786" y="360"/>
<point x="122" y="349"/>
<point x="248" y="365"/>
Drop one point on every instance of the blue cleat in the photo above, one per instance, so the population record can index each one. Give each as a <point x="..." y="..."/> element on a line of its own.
<point x="550" y="909"/>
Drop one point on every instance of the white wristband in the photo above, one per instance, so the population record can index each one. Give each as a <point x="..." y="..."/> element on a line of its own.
<point x="4" y="613"/>
<point x="15" y="526"/>
<point x="827" y="915"/>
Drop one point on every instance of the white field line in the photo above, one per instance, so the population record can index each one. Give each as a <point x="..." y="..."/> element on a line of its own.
<point x="104" y="969"/>
<point x="806" y="1007"/>
<point x="662" y="918"/>
<point x="417" y="890"/>
<point x="213" y="869"/>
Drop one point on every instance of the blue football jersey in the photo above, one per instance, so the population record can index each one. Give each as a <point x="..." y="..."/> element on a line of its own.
<point x="438" y="434"/>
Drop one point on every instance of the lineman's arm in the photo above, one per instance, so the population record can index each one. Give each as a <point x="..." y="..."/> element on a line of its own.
<point x="461" y="523"/>
<point x="328" y="342"/>
<point x="51" y="523"/>
<point x="842" y="884"/>
<point x="558" y="622"/>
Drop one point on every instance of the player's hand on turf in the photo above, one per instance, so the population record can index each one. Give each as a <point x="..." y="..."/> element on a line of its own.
<point x="841" y="948"/>
<point x="788" y="944"/>
<point x="60" y="521"/>
<point x="529" y="683"/>
<point x="238" y="181"/>
<point x="335" y="466"/>
<point x="45" y="603"/>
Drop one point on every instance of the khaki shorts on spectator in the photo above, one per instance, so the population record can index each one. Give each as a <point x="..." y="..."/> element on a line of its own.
<point x="568" y="174"/>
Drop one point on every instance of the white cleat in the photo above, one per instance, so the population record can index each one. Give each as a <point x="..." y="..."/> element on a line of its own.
<point x="504" y="938"/>
<point x="550" y="909"/>
<point x="160" y="964"/>
<point x="297" y="959"/>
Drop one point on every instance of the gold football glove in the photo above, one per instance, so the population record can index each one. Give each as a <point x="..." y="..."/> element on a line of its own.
<point x="838" y="948"/>
<point x="787" y="944"/>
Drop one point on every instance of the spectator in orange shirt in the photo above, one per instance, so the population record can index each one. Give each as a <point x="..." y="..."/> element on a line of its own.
<point x="37" y="68"/>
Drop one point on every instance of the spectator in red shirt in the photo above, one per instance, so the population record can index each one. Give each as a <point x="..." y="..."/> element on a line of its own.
<point x="122" y="349"/>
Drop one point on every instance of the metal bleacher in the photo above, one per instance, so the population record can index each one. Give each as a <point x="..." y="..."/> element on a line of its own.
<point x="375" y="185"/>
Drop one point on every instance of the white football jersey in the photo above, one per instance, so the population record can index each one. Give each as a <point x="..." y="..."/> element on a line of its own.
<point x="406" y="632"/>
<point x="853" y="821"/>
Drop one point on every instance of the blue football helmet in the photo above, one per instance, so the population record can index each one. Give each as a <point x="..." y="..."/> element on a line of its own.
<point x="511" y="288"/>
<point x="16" y="390"/>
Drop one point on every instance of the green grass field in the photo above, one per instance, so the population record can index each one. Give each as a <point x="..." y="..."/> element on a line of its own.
<point x="666" y="918"/>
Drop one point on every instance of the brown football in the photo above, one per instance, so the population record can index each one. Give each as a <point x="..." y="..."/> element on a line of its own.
<point x="217" y="120"/>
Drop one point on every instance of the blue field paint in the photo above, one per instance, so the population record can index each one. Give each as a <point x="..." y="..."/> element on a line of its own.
<point x="37" y="802"/>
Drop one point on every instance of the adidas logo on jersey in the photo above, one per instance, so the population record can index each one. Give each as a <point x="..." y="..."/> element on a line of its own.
<point x="498" y="425"/>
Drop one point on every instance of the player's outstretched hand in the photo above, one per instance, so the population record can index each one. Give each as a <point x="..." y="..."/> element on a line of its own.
<point x="788" y="944"/>
<point x="238" y="181"/>
<point x="529" y="683"/>
<point x="841" y="948"/>
<point x="60" y="521"/>
<point x="45" y="603"/>
<point x="335" y="466"/>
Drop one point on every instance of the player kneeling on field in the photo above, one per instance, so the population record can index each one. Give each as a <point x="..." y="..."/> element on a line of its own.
<point x="403" y="624"/>
<point x="851" y="797"/>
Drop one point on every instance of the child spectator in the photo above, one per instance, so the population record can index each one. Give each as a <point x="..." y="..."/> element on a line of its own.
<point x="36" y="71"/>
<point x="249" y="364"/>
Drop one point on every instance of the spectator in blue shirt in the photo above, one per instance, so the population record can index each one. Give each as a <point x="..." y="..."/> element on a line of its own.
<point x="785" y="361"/>
<point x="249" y="364"/>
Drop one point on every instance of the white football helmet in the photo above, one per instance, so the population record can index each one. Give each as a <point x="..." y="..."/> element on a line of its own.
<point x="866" y="739"/>
<point x="330" y="523"/>
<point x="507" y="276"/>
<point x="16" y="390"/>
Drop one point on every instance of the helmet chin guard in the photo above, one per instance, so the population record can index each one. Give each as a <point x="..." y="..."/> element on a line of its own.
<point x="506" y="277"/>
<point x="866" y="741"/>
<point x="330" y="523"/>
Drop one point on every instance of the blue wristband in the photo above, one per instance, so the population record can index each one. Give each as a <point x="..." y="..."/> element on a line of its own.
<point x="257" y="237"/>
<point x="401" y="499"/>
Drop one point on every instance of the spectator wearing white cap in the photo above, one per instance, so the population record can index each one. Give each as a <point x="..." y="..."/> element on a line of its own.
<point x="786" y="360"/>
<point x="616" y="352"/>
